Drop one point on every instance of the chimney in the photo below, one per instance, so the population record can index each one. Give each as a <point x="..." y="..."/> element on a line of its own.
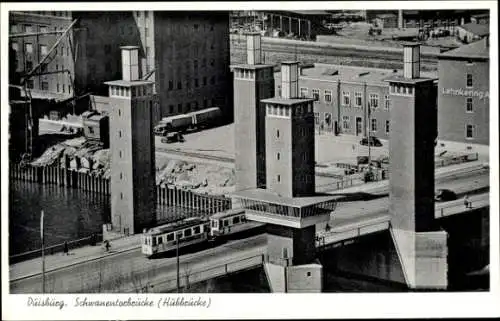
<point x="130" y="63"/>
<point x="253" y="48"/>
<point x="289" y="79"/>
<point x="411" y="60"/>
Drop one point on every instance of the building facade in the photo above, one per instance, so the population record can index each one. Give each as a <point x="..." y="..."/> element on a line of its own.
<point x="29" y="50"/>
<point x="348" y="100"/>
<point x="186" y="54"/>
<point x="463" y="95"/>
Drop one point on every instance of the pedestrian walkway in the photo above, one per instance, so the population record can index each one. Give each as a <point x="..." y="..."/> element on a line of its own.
<point x="75" y="256"/>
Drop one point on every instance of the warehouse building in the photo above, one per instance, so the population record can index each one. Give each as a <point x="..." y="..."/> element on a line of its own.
<point x="463" y="96"/>
<point x="348" y="100"/>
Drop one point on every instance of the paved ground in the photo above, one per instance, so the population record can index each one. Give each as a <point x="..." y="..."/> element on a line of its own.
<point x="329" y="148"/>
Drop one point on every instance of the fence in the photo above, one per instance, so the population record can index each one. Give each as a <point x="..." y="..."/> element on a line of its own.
<point x="203" y="204"/>
<point x="90" y="240"/>
<point x="202" y="274"/>
<point x="451" y="160"/>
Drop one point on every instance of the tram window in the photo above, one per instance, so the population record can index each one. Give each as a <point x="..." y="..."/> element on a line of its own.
<point x="243" y="218"/>
<point x="170" y="237"/>
<point x="236" y="220"/>
<point x="197" y="230"/>
<point x="145" y="241"/>
<point x="214" y="224"/>
<point x="226" y="223"/>
<point x="154" y="241"/>
<point x="160" y="239"/>
<point x="187" y="232"/>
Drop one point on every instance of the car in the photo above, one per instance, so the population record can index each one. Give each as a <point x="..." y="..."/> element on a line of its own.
<point x="374" y="141"/>
<point x="445" y="195"/>
<point x="173" y="137"/>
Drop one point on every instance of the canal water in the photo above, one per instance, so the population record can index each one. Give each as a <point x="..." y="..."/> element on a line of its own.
<point x="70" y="214"/>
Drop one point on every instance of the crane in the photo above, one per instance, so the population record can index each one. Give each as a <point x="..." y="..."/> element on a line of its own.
<point x="35" y="72"/>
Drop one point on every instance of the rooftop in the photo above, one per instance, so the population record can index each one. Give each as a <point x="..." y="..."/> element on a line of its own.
<point x="248" y="66"/>
<point x="478" y="49"/>
<point x="353" y="74"/>
<point x="126" y="83"/>
<point x="476" y="28"/>
<point x="286" y="101"/>
<point x="262" y="195"/>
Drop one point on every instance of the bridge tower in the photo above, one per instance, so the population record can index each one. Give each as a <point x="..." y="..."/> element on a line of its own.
<point x="289" y="204"/>
<point x="421" y="246"/>
<point x="253" y="81"/>
<point x="133" y="198"/>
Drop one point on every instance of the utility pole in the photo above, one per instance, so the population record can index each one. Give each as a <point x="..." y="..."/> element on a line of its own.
<point x="178" y="265"/>
<point x="42" y="234"/>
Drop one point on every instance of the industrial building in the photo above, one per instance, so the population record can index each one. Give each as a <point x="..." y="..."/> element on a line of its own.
<point x="463" y="96"/>
<point x="348" y="100"/>
<point x="186" y="54"/>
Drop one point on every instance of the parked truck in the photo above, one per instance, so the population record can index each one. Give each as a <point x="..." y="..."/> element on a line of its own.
<point x="196" y="119"/>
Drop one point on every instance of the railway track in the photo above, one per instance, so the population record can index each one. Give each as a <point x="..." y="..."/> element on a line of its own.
<point x="357" y="55"/>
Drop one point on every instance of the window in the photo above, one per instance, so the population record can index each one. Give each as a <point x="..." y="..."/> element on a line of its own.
<point x="13" y="29"/>
<point x="346" y="122"/>
<point x="469" y="80"/>
<point x="146" y="32"/>
<point x="346" y="98"/>
<point x="196" y="84"/>
<point x="236" y="220"/>
<point x="328" y="119"/>
<point x="373" y="101"/>
<point x="197" y="230"/>
<point x="303" y="92"/>
<point x="179" y="108"/>
<point x="120" y="152"/>
<point x="279" y="90"/>
<point x="316" y="118"/>
<point x="387" y="103"/>
<point x="469" y="131"/>
<point x="107" y="49"/>
<point x="387" y="128"/>
<point x="278" y="156"/>
<point x="121" y="175"/>
<point x="328" y="96"/>
<point x="28" y="28"/>
<point x="45" y="85"/>
<point x="179" y="85"/>
<point x="64" y="88"/>
<point x="195" y="65"/>
<point x="160" y="240"/>
<point x="28" y="47"/>
<point x="358" y="99"/>
<point x="187" y="232"/>
<point x="204" y="81"/>
<point x="171" y="109"/>
<point x="44" y="29"/>
<point x="120" y="133"/>
<point x="170" y="237"/>
<point x="277" y="133"/>
<point x="121" y="195"/>
<point x="279" y="178"/>
<point x="62" y="52"/>
<point x="469" y="105"/>
<point x="29" y="64"/>
<point x="315" y="94"/>
<point x="15" y="46"/>
<point x="119" y="112"/>
<point x="373" y="125"/>
<point x="58" y="87"/>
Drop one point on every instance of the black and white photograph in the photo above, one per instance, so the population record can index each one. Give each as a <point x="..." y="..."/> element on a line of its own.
<point x="157" y="156"/>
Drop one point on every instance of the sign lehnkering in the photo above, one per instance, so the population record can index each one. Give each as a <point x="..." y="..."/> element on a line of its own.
<point x="466" y="93"/>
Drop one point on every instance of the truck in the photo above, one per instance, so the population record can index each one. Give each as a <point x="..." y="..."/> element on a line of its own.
<point x="195" y="119"/>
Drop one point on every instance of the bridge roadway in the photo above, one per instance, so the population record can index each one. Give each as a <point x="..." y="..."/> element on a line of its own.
<point x="127" y="270"/>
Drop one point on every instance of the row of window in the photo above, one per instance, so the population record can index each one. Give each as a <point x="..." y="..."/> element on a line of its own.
<point x="190" y="106"/>
<point x="43" y="50"/>
<point x="187" y="83"/>
<point x="346" y="124"/>
<point x="285" y="111"/>
<point x="373" y="99"/>
<point x="136" y="91"/>
<point x="44" y="85"/>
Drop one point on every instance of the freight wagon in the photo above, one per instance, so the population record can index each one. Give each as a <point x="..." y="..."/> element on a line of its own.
<point x="197" y="119"/>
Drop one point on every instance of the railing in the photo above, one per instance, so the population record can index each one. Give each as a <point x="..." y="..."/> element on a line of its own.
<point x="451" y="160"/>
<point x="201" y="274"/>
<point x="90" y="240"/>
<point x="458" y="207"/>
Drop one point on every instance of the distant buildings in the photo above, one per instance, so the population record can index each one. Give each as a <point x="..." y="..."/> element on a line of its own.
<point x="463" y="96"/>
<point x="186" y="54"/>
<point x="348" y="100"/>
<point x="471" y="32"/>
